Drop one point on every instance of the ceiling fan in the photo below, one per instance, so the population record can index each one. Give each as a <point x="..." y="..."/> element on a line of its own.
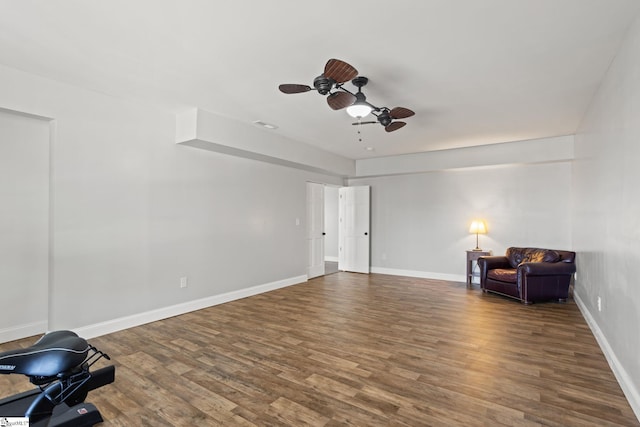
<point x="384" y="115"/>
<point x="331" y="83"/>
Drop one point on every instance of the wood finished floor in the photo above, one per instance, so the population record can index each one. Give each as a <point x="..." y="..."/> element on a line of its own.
<point x="364" y="350"/>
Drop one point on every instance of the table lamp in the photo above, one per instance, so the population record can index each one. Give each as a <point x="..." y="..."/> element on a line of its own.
<point x="478" y="227"/>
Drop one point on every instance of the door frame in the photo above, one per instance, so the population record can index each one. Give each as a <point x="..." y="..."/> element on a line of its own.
<point x="315" y="229"/>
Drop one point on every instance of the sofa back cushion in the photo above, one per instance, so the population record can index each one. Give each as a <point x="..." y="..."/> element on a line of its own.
<point x="517" y="256"/>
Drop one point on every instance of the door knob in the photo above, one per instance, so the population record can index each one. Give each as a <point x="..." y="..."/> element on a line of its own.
<point x="366" y="234"/>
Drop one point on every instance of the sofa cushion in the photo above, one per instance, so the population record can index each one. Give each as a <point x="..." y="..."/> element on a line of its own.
<point x="503" y="274"/>
<point x="517" y="256"/>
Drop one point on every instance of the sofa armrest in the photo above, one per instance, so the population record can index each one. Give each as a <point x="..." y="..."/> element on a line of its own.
<point x="546" y="268"/>
<point x="544" y="281"/>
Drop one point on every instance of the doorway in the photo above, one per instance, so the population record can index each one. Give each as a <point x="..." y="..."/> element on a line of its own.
<point x="337" y="229"/>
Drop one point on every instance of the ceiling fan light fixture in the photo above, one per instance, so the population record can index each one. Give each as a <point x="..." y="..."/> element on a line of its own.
<point x="359" y="110"/>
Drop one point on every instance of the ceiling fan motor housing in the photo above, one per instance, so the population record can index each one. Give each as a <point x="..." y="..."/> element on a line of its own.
<point x="384" y="118"/>
<point x="323" y="84"/>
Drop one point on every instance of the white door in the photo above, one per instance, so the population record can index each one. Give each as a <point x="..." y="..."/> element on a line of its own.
<point x="315" y="229"/>
<point x="354" y="208"/>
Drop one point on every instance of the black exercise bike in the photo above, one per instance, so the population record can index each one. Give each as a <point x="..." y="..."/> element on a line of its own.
<point x="59" y="363"/>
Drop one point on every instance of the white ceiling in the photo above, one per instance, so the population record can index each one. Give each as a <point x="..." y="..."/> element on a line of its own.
<point x="474" y="71"/>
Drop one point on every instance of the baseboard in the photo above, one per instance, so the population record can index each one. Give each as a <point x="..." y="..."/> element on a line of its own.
<point x="331" y="258"/>
<point x="110" y="326"/>
<point x="420" y="274"/>
<point x="22" y="331"/>
<point x="628" y="388"/>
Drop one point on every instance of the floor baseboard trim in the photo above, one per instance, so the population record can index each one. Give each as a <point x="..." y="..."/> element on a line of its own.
<point x="420" y="274"/>
<point x="625" y="381"/>
<point x="110" y="326"/>
<point x="22" y="331"/>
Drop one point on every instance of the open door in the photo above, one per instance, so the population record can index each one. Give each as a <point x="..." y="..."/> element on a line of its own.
<point x="354" y="206"/>
<point x="315" y="229"/>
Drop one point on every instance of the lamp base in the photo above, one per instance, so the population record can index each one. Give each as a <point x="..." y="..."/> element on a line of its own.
<point x="477" y="250"/>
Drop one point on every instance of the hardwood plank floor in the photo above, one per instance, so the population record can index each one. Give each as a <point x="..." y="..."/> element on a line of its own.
<point x="365" y="350"/>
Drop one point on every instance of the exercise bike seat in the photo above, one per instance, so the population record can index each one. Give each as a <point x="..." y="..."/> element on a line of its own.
<point x="56" y="352"/>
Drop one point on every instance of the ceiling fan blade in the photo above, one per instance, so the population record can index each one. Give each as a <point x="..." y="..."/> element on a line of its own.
<point x="401" y="113"/>
<point x="394" y="126"/>
<point x="293" y="88"/>
<point x="364" y="123"/>
<point x="340" y="100"/>
<point x="339" y="71"/>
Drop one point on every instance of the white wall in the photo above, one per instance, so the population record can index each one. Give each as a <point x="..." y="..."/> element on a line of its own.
<point x="132" y="212"/>
<point x="24" y="225"/>
<point x="606" y="218"/>
<point x="420" y="222"/>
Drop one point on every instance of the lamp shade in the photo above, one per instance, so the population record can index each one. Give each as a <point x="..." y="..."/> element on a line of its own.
<point x="478" y="227"/>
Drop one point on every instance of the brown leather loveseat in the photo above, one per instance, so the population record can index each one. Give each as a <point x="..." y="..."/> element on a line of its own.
<point x="528" y="274"/>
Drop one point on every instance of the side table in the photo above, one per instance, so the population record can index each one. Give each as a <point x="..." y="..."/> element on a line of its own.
<point x="472" y="264"/>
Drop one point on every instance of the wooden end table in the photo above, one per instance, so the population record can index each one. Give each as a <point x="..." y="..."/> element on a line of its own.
<point x="472" y="264"/>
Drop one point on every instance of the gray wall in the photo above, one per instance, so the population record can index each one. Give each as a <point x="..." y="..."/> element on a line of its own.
<point x="606" y="217"/>
<point x="24" y="225"/>
<point x="133" y="212"/>
<point x="420" y="222"/>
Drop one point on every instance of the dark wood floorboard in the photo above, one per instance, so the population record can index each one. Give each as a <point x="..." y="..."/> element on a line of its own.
<point x="360" y="350"/>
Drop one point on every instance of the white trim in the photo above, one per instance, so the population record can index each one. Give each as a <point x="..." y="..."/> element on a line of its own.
<point x="420" y="274"/>
<point x="625" y="381"/>
<point x="110" y="326"/>
<point x="22" y="331"/>
<point x="331" y="258"/>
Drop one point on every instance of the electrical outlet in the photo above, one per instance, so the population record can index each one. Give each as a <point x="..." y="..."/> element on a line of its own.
<point x="183" y="282"/>
<point x="599" y="304"/>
